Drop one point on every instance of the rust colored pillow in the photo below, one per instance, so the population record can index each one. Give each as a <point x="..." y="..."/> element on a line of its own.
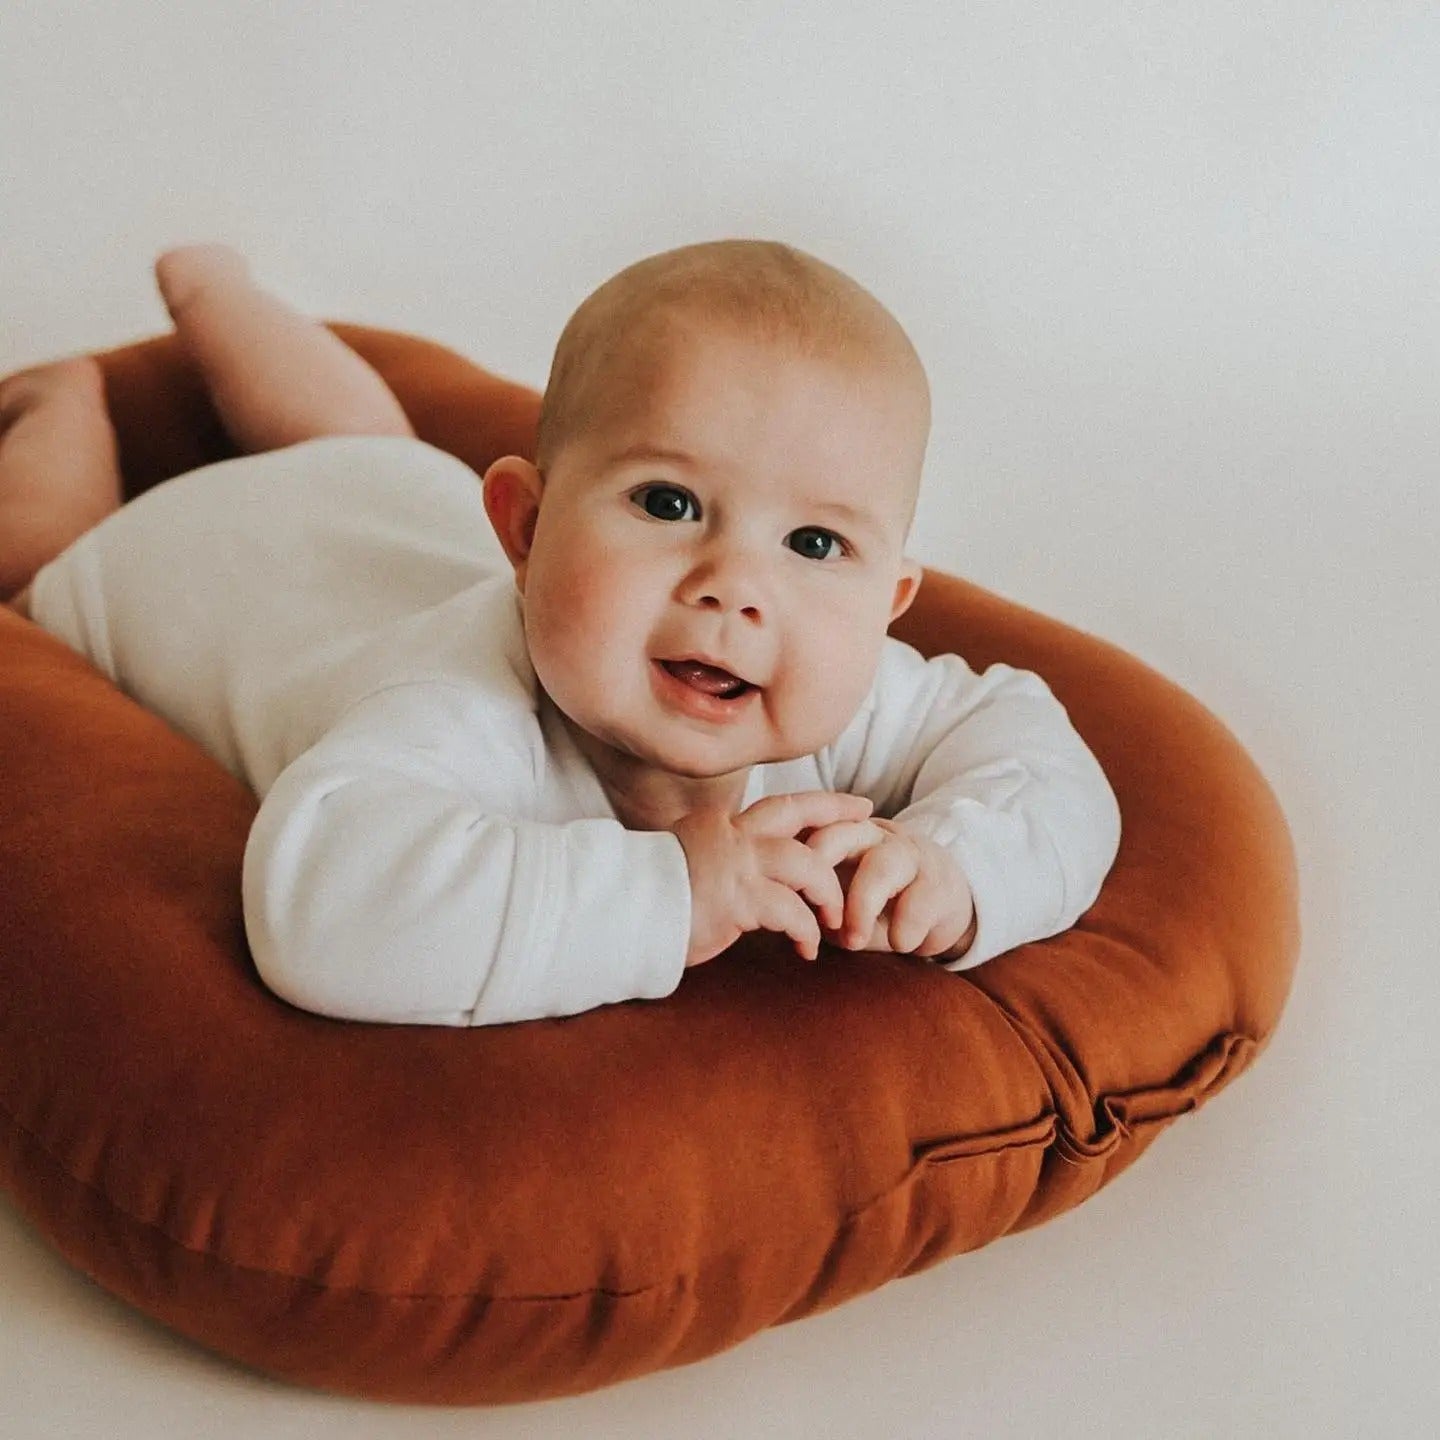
<point x="533" y="1210"/>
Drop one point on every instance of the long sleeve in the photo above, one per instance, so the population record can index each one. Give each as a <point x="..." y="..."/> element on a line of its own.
<point x="391" y="880"/>
<point x="990" y="767"/>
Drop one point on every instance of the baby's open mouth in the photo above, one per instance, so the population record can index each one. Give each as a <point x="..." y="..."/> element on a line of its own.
<point x="708" y="678"/>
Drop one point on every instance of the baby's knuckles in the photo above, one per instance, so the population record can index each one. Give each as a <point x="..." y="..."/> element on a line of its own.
<point x="928" y="912"/>
<point x="733" y="862"/>
<point x="728" y="879"/>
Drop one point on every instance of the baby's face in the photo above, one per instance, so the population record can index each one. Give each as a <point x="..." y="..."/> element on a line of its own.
<point x="749" y="514"/>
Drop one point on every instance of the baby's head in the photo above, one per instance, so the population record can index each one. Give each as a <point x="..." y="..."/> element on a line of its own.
<point x="729" y="452"/>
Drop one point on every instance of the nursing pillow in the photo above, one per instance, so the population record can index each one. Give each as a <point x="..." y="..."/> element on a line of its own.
<point x="515" y="1212"/>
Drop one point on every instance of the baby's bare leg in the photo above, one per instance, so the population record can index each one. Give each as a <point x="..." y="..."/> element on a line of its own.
<point x="276" y="377"/>
<point x="59" y="473"/>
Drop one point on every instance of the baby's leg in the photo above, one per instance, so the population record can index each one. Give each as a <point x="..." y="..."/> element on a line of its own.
<point x="276" y="377"/>
<point x="59" y="473"/>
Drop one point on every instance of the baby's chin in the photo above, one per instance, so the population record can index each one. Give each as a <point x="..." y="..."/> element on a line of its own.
<point x="701" y="768"/>
<point x="697" y="759"/>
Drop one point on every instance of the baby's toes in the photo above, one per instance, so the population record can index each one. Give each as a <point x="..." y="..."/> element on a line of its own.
<point x="185" y="271"/>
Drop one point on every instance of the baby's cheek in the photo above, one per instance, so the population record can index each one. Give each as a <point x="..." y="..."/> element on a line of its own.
<point x="825" y="697"/>
<point x="560" y="597"/>
<point x="575" y="631"/>
<point x="845" y="664"/>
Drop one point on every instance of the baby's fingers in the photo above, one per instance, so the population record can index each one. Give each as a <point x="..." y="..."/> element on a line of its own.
<point x="793" y="865"/>
<point x="914" y="916"/>
<point x="783" y="815"/>
<point x="783" y="910"/>
<point x="882" y="873"/>
<point x="844" y="840"/>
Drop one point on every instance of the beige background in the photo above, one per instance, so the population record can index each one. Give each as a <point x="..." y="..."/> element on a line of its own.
<point x="1174" y="272"/>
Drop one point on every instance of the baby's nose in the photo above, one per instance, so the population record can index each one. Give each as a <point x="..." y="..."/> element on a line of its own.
<point x="726" y="583"/>
<point x="717" y="602"/>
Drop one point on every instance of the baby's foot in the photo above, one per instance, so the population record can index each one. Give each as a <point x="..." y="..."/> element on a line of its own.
<point x="70" y="384"/>
<point x="183" y="273"/>
<point x="59" y="472"/>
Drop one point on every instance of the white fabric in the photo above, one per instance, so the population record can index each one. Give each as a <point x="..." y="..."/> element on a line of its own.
<point x="336" y="625"/>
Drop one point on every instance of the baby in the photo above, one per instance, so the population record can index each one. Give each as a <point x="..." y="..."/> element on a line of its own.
<point x="500" y="784"/>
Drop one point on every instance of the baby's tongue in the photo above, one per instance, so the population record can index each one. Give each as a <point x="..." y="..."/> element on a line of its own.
<point x="702" y="677"/>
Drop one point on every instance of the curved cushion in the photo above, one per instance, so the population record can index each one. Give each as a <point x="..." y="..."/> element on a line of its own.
<point x="533" y="1210"/>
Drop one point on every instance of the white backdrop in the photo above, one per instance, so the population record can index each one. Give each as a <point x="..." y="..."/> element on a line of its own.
<point x="1175" y="272"/>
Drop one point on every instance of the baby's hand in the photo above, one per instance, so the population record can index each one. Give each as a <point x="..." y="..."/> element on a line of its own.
<point x="903" y="892"/>
<point x="750" y="871"/>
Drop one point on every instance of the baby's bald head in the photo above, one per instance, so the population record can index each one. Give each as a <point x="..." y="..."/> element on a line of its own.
<point x="730" y="446"/>
<point x="617" y="343"/>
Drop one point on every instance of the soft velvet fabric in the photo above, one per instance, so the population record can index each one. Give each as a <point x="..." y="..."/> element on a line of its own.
<point x="525" y="1211"/>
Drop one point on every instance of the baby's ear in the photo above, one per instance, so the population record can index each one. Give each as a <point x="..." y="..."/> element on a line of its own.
<point x="907" y="587"/>
<point x="512" y="501"/>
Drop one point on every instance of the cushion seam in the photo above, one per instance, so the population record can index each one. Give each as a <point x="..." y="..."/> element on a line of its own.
<point x="1064" y="1138"/>
<point x="29" y="1137"/>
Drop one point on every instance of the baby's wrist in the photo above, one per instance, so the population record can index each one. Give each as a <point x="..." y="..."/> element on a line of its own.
<point x="961" y="947"/>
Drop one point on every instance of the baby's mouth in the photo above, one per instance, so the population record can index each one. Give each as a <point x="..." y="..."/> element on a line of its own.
<point x="708" y="678"/>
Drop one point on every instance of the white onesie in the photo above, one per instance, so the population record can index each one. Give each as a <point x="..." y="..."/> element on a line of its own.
<point x="336" y="624"/>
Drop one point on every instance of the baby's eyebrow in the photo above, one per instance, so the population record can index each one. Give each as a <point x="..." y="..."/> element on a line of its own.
<point x="636" y="454"/>
<point x="848" y="514"/>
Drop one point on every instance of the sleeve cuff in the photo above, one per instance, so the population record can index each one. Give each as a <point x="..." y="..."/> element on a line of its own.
<point x="607" y="918"/>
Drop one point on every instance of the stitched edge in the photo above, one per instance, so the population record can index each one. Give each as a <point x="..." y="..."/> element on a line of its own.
<point x="29" y="1138"/>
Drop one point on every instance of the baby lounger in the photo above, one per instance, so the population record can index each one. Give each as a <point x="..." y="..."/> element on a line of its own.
<point x="522" y="1211"/>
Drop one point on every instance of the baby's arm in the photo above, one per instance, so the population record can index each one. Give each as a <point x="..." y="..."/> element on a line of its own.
<point x="989" y="768"/>
<point x="389" y="881"/>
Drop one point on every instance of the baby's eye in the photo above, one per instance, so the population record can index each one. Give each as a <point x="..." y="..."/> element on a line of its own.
<point x="666" y="502"/>
<point x="816" y="544"/>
